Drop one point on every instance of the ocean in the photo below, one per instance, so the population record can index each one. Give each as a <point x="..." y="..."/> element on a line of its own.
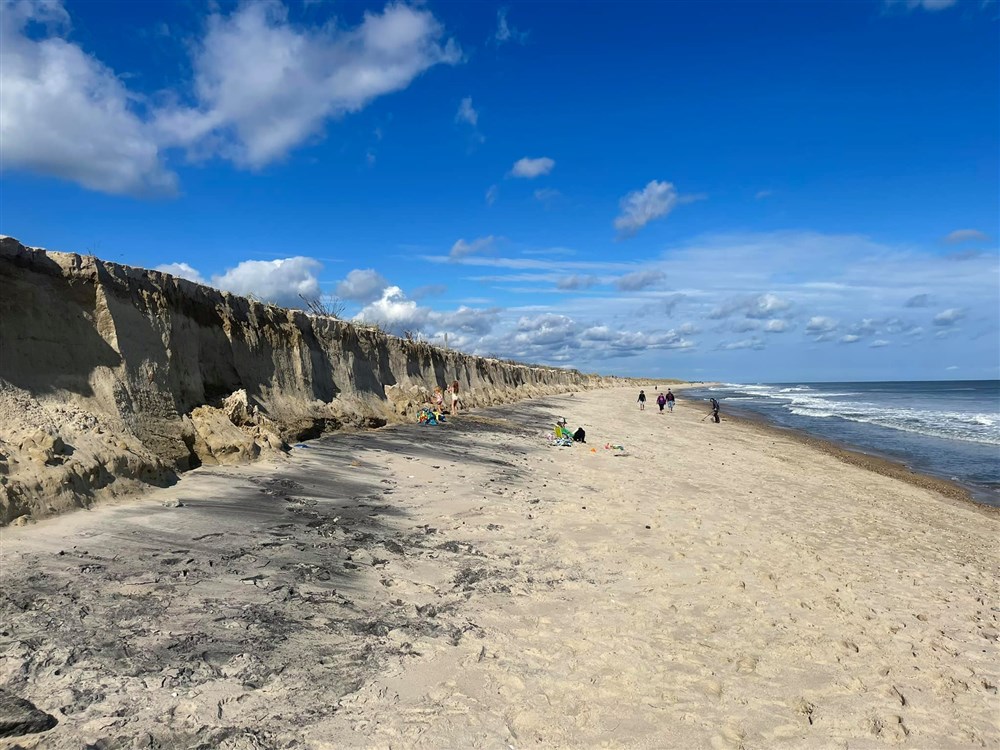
<point x="949" y="429"/>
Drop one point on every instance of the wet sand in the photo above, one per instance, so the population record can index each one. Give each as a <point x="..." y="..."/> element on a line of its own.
<point x="468" y="585"/>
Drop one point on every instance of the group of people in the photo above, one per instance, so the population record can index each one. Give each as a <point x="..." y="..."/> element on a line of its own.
<point x="453" y="399"/>
<point x="663" y="399"/>
<point x="667" y="399"/>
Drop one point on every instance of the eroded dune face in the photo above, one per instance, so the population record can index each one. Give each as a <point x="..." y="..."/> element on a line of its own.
<point x="113" y="377"/>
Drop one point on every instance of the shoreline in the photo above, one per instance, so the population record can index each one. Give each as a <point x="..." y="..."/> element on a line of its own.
<point x="857" y="455"/>
<point x="950" y="490"/>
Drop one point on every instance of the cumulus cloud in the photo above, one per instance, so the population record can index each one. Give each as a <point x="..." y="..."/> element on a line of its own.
<point x="821" y="324"/>
<point x="467" y="320"/>
<point x="866" y="327"/>
<point x="362" y="285"/>
<point x="466" y="112"/>
<point x="283" y="282"/>
<point x="263" y="86"/>
<point x="766" y="306"/>
<point x="394" y="311"/>
<point x="760" y="306"/>
<point x="462" y="248"/>
<point x="66" y="115"/>
<point x="948" y="317"/>
<point x="183" y="270"/>
<point x="966" y="235"/>
<point x="849" y="338"/>
<point x="640" y="207"/>
<point x="532" y="168"/>
<point x="776" y="326"/>
<point x="639" y="280"/>
<point x="397" y="314"/>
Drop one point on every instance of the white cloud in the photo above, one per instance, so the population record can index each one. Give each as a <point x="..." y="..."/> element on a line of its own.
<point x="263" y="85"/>
<point x="65" y="114"/>
<point x="948" y="317"/>
<point x="761" y="306"/>
<point x="362" y="285"/>
<point x="640" y="207"/>
<point x="466" y="112"/>
<point x="766" y="306"/>
<point x="462" y="248"/>
<point x="394" y="311"/>
<point x="532" y="168"/>
<point x="639" y="280"/>
<point x="492" y="193"/>
<point x="776" y="326"/>
<point x="507" y="33"/>
<point x="750" y="343"/>
<point x="928" y="5"/>
<point x="183" y="270"/>
<point x="849" y="338"/>
<point x="878" y="343"/>
<point x="821" y="324"/>
<point x="283" y="282"/>
<point x="467" y="320"/>
<point x="966" y="235"/>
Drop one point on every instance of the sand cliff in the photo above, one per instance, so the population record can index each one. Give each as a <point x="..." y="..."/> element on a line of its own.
<point x="113" y="377"/>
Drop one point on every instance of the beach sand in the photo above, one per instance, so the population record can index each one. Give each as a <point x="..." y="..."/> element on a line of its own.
<point x="469" y="586"/>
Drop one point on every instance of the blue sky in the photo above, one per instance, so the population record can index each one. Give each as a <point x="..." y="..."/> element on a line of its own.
<point x="739" y="191"/>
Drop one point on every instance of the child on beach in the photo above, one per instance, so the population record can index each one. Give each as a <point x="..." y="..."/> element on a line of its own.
<point x="438" y="398"/>
<point x="642" y="400"/>
<point x="454" y="396"/>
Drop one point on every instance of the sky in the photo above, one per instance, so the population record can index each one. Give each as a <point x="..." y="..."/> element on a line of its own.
<point x="736" y="191"/>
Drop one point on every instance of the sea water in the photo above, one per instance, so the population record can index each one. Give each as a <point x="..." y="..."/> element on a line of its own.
<point x="949" y="429"/>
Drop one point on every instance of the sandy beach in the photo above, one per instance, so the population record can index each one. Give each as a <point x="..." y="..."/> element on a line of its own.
<point x="469" y="585"/>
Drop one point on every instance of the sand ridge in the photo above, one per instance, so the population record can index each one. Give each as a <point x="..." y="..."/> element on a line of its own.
<point x="469" y="586"/>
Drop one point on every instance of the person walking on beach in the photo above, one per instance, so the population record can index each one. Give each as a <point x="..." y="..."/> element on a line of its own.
<point x="715" y="411"/>
<point x="670" y="400"/>
<point x="642" y="400"/>
<point x="661" y="401"/>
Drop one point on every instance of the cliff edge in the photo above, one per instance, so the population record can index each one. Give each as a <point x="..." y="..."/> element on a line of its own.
<point x="113" y="377"/>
